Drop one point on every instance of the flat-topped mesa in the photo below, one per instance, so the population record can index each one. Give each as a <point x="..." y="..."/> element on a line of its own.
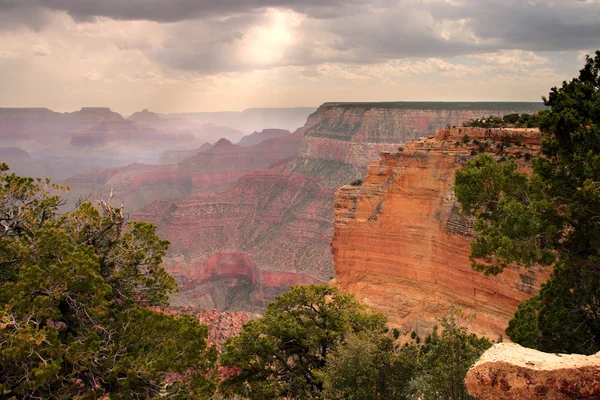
<point x="402" y="245"/>
<point x="356" y="133"/>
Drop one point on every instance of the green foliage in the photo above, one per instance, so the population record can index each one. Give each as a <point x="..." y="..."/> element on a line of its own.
<point x="515" y="222"/>
<point x="357" y="182"/>
<point x="368" y="367"/>
<point x="284" y="354"/>
<point x="446" y="359"/>
<point x="318" y="343"/>
<point x="563" y="317"/>
<point x="507" y="121"/>
<point x="549" y="218"/>
<point x="74" y="291"/>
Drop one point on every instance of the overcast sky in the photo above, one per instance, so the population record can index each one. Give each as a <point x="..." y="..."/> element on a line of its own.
<point x="214" y="55"/>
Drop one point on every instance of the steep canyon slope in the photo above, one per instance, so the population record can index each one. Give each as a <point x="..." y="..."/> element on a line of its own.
<point x="213" y="169"/>
<point x="238" y="248"/>
<point x="402" y="245"/>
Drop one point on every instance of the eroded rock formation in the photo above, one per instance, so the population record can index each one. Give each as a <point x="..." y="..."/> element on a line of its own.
<point x="265" y="134"/>
<point x="208" y="171"/>
<point x="508" y="371"/>
<point x="356" y="133"/>
<point x="402" y="245"/>
<point x="282" y="217"/>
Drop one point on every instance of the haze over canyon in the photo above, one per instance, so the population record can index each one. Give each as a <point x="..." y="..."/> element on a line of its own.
<point x="317" y="199"/>
<point x="247" y="220"/>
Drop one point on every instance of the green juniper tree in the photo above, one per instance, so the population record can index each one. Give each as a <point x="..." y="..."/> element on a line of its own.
<point x="551" y="217"/>
<point x="369" y="366"/>
<point x="446" y="358"/>
<point x="74" y="297"/>
<point x="285" y="353"/>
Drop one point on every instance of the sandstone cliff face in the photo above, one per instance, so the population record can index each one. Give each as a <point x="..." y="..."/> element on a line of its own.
<point x="282" y="217"/>
<point x="402" y="246"/>
<point x="508" y="371"/>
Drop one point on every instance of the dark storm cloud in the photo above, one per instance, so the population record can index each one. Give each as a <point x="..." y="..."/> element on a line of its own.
<point x="206" y="35"/>
<point x="538" y="25"/>
<point x="413" y="28"/>
<point x="15" y="13"/>
<point x="180" y="10"/>
<point x="385" y="30"/>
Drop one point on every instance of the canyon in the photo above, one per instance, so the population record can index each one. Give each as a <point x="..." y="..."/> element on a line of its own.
<point x="62" y="143"/>
<point x="258" y="137"/>
<point x="207" y="170"/>
<point x="237" y="249"/>
<point x="246" y="221"/>
<point x="401" y="243"/>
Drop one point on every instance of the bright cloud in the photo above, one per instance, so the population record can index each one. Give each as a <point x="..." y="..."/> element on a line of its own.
<point x="182" y="55"/>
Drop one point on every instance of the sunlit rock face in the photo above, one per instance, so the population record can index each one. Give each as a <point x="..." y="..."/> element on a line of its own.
<point x="282" y="217"/>
<point x="510" y="372"/>
<point x="402" y="245"/>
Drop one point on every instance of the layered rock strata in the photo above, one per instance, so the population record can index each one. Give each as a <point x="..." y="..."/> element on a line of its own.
<point x="239" y="248"/>
<point x="214" y="169"/>
<point x="509" y="372"/>
<point x="402" y="246"/>
<point x="265" y="134"/>
<point x="282" y="218"/>
<point x="356" y="133"/>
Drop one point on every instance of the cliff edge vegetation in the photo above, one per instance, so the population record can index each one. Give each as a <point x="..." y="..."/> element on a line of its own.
<point x="551" y="217"/>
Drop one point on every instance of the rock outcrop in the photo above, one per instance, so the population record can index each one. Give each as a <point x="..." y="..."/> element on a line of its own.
<point x="282" y="217"/>
<point x="265" y="134"/>
<point x="209" y="171"/>
<point x="401" y="243"/>
<point x="510" y="372"/>
<point x="177" y="156"/>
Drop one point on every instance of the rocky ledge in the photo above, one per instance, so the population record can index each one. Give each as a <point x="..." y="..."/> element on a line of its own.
<point x="508" y="371"/>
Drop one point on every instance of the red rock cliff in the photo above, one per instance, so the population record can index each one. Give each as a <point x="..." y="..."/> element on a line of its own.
<point x="356" y="133"/>
<point x="282" y="217"/>
<point x="402" y="246"/>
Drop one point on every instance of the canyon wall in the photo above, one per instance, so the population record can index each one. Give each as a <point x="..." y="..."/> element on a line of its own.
<point x="280" y="220"/>
<point x="208" y="171"/>
<point x="356" y="133"/>
<point x="402" y="245"/>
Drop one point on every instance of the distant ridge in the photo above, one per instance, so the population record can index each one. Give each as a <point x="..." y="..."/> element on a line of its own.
<point x="443" y="105"/>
